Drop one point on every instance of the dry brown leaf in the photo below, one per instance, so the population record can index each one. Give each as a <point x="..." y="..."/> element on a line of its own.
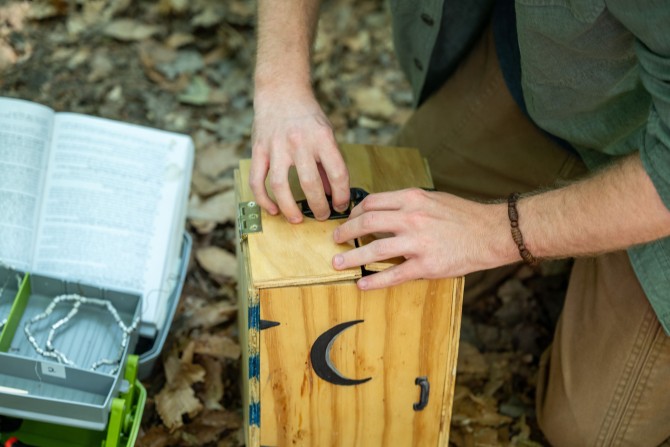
<point x="203" y="226"/>
<point x="153" y="53"/>
<point x="196" y="435"/>
<point x="156" y="436"/>
<point x="218" y="345"/>
<point x="243" y="9"/>
<point x="129" y="30"/>
<point x="8" y="57"/>
<point x="220" y="208"/>
<point x="213" y="383"/>
<point x="173" y="6"/>
<point x="358" y="41"/>
<point x="209" y="426"/>
<point x="182" y="370"/>
<point x="206" y="186"/>
<point x="174" y="402"/>
<point x="470" y="360"/>
<point x="13" y="16"/>
<point x="188" y="353"/>
<point x="373" y="101"/>
<point x="101" y="67"/>
<point x="210" y="15"/>
<point x="212" y="315"/>
<point x="178" y="40"/>
<point x="217" y="159"/>
<point x="92" y="12"/>
<point x="486" y="437"/>
<point x="217" y="261"/>
<point x="221" y="418"/>
<point x="470" y="410"/>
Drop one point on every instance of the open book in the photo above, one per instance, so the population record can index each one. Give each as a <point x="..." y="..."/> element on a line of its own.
<point x="93" y="200"/>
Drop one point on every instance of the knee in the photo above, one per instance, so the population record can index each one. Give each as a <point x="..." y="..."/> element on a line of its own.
<point x="561" y="422"/>
<point x="562" y="429"/>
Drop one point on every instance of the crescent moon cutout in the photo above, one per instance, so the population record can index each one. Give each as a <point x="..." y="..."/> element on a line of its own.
<point x="321" y="361"/>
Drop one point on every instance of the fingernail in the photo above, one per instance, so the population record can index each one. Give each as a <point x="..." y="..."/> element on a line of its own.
<point x="338" y="260"/>
<point x="295" y="220"/>
<point x="336" y="234"/>
<point x="340" y="208"/>
<point x="362" y="283"/>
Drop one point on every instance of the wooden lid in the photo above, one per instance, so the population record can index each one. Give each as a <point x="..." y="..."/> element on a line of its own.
<point x="285" y="254"/>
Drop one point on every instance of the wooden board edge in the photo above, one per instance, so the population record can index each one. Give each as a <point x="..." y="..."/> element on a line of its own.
<point x="307" y="281"/>
<point x="450" y="378"/>
<point x="428" y="173"/>
<point x="247" y="298"/>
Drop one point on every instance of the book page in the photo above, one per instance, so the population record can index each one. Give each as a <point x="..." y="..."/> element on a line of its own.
<point x="25" y="132"/>
<point x="112" y="199"/>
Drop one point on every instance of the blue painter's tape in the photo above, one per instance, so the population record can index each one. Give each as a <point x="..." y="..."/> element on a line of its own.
<point x="255" y="414"/>
<point x="255" y="367"/>
<point x="255" y="317"/>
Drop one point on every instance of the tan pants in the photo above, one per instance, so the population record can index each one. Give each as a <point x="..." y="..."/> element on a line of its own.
<point x="605" y="381"/>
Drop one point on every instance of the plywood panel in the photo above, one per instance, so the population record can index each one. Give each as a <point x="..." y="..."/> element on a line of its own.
<point x="408" y="331"/>
<point x="285" y="254"/>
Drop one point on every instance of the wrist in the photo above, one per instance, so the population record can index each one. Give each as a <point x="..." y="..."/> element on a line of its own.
<point x="502" y="247"/>
<point x="289" y="91"/>
<point x="269" y="79"/>
<point x="515" y="229"/>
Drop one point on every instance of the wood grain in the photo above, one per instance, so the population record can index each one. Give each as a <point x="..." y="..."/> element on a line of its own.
<point x="285" y="254"/>
<point x="409" y="331"/>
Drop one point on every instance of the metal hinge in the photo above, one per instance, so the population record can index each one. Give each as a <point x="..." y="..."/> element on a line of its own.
<point x="249" y="218"/>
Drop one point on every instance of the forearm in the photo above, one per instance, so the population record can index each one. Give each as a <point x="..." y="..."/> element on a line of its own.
<point x="285" y="33"/>
<point x="614" y="209"/>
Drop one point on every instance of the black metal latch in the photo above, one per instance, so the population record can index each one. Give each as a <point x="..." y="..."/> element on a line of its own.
<point x="356" y="196"/>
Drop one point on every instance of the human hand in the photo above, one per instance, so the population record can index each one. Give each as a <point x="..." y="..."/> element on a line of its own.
<point x="290" y="129"/>
<point x="439" y="235"/>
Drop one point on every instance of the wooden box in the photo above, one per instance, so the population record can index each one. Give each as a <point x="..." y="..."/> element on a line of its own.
<point x="326" y="364"/>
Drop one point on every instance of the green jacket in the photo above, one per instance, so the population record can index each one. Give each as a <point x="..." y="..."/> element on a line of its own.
<point x="595" y="73"/>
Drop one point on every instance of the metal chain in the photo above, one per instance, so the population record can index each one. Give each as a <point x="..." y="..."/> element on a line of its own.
<point x="78" y="301"/>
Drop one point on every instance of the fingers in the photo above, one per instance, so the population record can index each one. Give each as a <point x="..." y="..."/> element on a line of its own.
<point x="393" y="276"/>
<point x="312" y="185"/>
<point x="338" y="177"/>
<point x="387" y="201"/>
<point x="279" y="168"/>
<point x="306" y="142"/>
<point x="260" y="164"/>
<point x="379" y="250"/>
<point x="324" y="179"/>
<point x="368" y="223"/>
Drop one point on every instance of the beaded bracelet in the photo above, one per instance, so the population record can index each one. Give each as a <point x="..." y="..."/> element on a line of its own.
<point x="526" y="255"/>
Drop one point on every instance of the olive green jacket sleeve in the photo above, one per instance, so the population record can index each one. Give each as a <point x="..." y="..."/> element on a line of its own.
<point x="595" y="73"/>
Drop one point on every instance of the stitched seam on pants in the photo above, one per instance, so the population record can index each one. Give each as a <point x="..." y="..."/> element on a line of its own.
<point x="640" y="385"/>
<point x="619" y="401"/>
